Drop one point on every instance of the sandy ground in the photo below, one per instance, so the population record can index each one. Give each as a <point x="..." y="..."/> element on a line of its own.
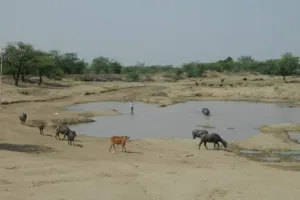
<point x="39" y="167"/>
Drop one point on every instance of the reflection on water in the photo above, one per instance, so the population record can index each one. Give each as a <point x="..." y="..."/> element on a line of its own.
<point x="232" y="120"/>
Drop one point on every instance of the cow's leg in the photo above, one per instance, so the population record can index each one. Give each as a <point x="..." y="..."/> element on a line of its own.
<point x="205" y="145"/>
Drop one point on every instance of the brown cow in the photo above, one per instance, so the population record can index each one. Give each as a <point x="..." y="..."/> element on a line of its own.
<point x="117" y="140"/>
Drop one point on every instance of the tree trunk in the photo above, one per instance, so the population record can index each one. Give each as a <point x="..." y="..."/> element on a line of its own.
<point x="14" y="75"/>
<point x="284" y="79"/>
<point x="17" y="79"/>
<point x="40" y="80"/>
<point x="18" y="76"/>
<point x="23" y="77"/>
<point x="40" y="77"/>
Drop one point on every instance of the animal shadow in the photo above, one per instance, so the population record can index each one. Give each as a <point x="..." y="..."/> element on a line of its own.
<point x="25" y="148"/>
<point x="77" y="141"/>
<point x="134" y="152"/>
<point x="79" y="145"/>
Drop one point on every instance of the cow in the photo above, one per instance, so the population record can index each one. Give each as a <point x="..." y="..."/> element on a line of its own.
<point x="196" y="133"/>
<point x="71" y="136"/>
<point x="63" y="129"/>
<point x="119" y="140"/>
<point x="23" y="118"/>
<point x="206" y="111"/>
<point x="41" y="127"/>
<point x="212" y="138"/>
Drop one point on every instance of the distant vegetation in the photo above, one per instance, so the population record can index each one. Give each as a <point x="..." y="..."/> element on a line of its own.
<point x="21" y="59"/>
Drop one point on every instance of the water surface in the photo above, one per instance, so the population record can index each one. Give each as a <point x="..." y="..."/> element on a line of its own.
<point x="232" y="120"/>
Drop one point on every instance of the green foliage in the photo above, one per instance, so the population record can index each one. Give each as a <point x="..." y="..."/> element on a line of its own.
<point x="287" y="65"/>
<point x="17" y="56"/>
<point x="21" y="59"/>
<point x="105" y="65"/>
<point x="133" y="77"/>
<point x="194" y="69"/>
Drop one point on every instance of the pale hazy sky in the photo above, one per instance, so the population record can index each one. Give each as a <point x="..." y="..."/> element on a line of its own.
<point x="155" y="31"/>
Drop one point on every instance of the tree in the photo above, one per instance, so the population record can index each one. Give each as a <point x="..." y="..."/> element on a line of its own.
<point x="229" y="60"/>
<point x="43" y="64"/>
<point x="178" y="72"/>
<point x="115" y="67"/>
<point x="194" y="69"/>
<point x="70" y="63"/>
<point x="287" y="65"/>
<point x="16" y="56"/>
<point x="245" y="59"/>
<point x="100" y="65"/>
<point x="226" y="64"/>
<point x="106" y="65"/>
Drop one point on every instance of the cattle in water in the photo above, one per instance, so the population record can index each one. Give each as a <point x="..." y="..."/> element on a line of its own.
<point x="212" y="138"/>
<point x="119" y="140"/>
<point x="71" y="136"/>
<point x="63" y="129"/>
<point x="23" y="118"/>
<point x="206" y="111"/>
<point x="199" y="133"/>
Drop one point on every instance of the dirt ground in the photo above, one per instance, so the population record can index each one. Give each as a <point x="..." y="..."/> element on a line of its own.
<point x="39" y="167"/>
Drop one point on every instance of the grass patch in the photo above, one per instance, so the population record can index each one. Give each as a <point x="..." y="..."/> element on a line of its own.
<point x="206" y="126"/>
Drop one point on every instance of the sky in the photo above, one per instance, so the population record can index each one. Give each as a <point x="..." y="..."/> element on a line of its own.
<point x="155" y="31"/>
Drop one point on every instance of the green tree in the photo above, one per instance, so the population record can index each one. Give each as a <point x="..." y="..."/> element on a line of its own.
<point x="71" y="64"/>
<point x="105" y="65"/>
<point x="287" y="65"/>
<point x="194" y="69"/>
<point x="133" y="77"/>
<point x="226" y="64"/>
<point x="43" y="64"/>
<point x="16" y="56"/>
<point x="245" y="59"/>
<point x="115" y="67"/>
<point x="100" y="65"/>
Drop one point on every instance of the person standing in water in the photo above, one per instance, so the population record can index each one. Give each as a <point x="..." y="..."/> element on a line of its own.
<point x="131" y="107"/>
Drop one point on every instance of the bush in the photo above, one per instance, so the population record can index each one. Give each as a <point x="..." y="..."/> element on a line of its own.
<point x="133" y="77"/>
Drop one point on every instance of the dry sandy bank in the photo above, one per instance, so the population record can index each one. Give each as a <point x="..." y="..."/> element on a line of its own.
<point x="154" y="169"/>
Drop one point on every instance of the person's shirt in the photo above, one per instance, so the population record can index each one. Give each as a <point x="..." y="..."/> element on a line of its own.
<point x="131" y="104"/>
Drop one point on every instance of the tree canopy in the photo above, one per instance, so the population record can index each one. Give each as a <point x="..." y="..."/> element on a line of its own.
<point x="21" y="59"/>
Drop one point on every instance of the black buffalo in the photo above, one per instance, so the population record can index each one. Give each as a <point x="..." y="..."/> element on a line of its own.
<point x="212" y="138"/>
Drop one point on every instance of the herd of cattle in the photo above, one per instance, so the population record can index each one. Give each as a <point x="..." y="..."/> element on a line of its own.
<point x="61" y="129"/>
<point x="204" y="136"/>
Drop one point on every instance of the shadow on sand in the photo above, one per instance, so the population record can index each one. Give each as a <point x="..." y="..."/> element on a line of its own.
<point x="79" y="145"/>
<point x="135" y="152"/>
<point x="25" y="148"/>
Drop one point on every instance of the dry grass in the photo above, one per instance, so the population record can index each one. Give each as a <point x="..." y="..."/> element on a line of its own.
<point x="278" y="128"/>
<point x="206" y="126"/>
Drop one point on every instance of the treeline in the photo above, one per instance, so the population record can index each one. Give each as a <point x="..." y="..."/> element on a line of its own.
<point x="21" y="59"/>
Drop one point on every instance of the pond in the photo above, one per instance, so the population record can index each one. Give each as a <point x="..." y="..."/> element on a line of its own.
<point x="233" y="120"/>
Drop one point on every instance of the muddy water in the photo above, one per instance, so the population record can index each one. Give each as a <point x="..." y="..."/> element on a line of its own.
<point x="232" y="120"/>
<point x="271" y="156"/>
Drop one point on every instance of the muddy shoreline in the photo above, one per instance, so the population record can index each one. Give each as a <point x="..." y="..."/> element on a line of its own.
<point x="116" y="94"/>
